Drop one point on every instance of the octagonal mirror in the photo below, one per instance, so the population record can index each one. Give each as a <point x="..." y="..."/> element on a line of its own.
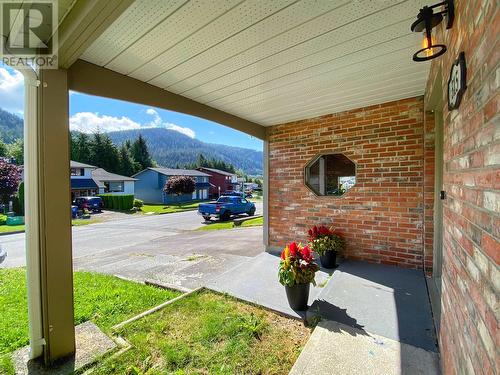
<point x="330" y="174"/>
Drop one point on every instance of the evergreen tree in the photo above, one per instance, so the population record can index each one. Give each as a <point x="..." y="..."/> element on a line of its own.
<point x="103" y="153"/>
<point x="140" y="153"/>
<point x="81" y="148"/>
<point x="128" y="166"/>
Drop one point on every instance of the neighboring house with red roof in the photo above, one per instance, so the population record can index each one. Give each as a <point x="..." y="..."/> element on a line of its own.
<point x="221" y="181"/>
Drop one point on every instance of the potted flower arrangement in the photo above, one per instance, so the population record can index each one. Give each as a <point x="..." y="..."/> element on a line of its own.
<point x="326" y="243"/>
<point x="296" y="273"/>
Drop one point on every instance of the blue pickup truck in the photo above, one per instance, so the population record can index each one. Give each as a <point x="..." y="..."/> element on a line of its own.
<point x="225" y="207"/>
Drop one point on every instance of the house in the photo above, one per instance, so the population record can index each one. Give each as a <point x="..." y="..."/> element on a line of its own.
<point x="113" y="183"/>
<point x="88" y="180"/>
<point x="82" y="183"/>
<point x="151" y="181"/>
<point x="221" y="181"/>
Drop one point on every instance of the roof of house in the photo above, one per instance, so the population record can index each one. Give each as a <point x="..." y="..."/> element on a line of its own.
<point x="218" y="171"/>
<point x="101" y="175"/>
<point x="76" y="164"/>
<point x="177" y="172"/>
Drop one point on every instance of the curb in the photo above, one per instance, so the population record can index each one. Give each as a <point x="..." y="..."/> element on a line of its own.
<point x="15" y="232"/>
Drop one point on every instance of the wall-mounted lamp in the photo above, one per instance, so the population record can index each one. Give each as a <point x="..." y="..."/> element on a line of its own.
<point x="426" y="21"/>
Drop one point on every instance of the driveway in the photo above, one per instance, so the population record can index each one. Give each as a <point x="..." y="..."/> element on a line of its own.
<point x="162" y="248"/>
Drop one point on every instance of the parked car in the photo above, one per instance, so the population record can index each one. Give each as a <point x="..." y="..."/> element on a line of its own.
<point x="225" y="207"/>
<point x="93" y="204"/>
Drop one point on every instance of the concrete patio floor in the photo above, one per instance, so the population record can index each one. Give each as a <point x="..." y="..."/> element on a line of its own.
<point x="371" y="300"/>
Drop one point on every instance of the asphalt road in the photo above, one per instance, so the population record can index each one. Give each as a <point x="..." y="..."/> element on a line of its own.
<point x="162" y="248"/>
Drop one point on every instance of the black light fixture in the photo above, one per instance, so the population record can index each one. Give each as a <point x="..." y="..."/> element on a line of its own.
<point x="427" y="19"/>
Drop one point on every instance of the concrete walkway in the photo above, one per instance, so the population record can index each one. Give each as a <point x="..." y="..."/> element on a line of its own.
<point x="373" y="315"/>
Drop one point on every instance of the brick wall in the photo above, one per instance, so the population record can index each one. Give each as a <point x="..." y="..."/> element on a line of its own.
<point x="469" y="336"/>
<point x="382" y="215"/>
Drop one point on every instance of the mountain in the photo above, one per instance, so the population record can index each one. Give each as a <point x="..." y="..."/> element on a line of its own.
<point x="11" y="127"/>
<point x="170" y="149"/>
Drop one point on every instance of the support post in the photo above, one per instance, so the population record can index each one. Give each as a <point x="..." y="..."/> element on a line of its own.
<point x="265" y="193"/>
<point x="54" y="216"/>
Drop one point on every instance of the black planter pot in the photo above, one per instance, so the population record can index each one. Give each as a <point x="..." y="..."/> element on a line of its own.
<point x="298" y="296"/>
<point x="329" y="260"/>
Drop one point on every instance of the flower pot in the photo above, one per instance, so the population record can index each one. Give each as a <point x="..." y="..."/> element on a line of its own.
<point x="329" y="259"/>
<point x="298" y="296"/>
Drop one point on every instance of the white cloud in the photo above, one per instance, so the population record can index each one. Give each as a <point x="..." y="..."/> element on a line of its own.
<point x="11" y="90"/>
<point x="157" y="122"/>
<point x="89" y="122"/>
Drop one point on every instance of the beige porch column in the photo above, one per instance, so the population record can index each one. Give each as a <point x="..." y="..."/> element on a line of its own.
<point x="54" y="220"/>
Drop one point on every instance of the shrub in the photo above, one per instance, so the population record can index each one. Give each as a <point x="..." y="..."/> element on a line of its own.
<point x="323" y="239"/>
<point x="118" y="202"/>
<point x="180" y="185"/>
<point x="3" y="219"/>
<point x="138" y="203"/>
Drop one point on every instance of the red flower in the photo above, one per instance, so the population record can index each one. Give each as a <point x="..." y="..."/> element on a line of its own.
<point x="306" y="254"/>
<point x="283" y="254"/>
<point x="293" y="249"/>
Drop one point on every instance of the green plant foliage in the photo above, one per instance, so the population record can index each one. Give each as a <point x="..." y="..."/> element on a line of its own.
<point x="120" y="202"/>
<point x="297" y="266"/>
<point x="138" y="203"/>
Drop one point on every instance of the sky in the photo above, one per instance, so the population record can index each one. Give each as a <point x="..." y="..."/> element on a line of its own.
<point x="89" y="113"/>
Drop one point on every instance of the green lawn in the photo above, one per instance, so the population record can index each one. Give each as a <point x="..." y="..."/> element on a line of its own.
<point x="75" y="222"/>
<point x="11" y="228"/>
<point x="170" y="208"/>
<point x="229" y="225"/>
<point x="105" y="300"/>
<point x="209" y="333"/>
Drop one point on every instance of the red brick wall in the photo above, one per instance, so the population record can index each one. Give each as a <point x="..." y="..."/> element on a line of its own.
<point x="469" y="336"/>
<point x="382" y="215"/>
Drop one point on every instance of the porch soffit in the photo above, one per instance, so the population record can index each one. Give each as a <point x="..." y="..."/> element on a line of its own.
<point x="268" y="62"/>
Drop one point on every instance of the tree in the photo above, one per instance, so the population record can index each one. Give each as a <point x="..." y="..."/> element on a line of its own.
<point x="10" y="176"/>
<point x="128" y="166"/>
<point x="140" y="153"/>
<point x="103" y="153"/>
<point x="3" y="149"/>
<point x="80" y="148"/>
<point x="179" y="185"/>
<point x="16" y="151"/>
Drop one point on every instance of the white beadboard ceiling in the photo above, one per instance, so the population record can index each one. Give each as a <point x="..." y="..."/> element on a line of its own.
<point x="269" y="61"/>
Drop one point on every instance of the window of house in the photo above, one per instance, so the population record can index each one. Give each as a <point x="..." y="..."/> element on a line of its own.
<point x="113" y="187"/>
<point x="331" y="174"/>
<point x="77" y="172"/>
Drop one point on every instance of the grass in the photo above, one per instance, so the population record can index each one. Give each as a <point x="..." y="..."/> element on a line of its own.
<point x="159" y="209"/>
<point x="103" y="299"/>
<point x="229" y="225"/>
<point x="17" y="228"/>
<point x="11" y="228"/>
<point x="209" y="333"/>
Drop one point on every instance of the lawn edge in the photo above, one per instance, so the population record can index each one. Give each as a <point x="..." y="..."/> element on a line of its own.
<point x="155" y="309"/>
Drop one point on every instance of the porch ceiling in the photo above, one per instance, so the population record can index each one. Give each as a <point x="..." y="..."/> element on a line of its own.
<point x="269" y="61"/>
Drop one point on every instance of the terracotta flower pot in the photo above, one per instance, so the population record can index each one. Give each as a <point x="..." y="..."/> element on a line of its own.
<point x="329" y="259"/>
<point x="297" y="296"/>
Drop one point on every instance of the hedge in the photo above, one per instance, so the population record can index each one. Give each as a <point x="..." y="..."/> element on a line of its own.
<point x="118" y="202"/>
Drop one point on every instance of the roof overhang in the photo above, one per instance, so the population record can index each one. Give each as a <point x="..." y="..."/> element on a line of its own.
<point x="267" y="62"/>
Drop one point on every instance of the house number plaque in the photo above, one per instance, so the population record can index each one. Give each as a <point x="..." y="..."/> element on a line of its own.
<point x="457" y="82"/>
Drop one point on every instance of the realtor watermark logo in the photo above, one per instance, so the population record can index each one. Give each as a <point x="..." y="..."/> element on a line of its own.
<point x="29" y="33"/>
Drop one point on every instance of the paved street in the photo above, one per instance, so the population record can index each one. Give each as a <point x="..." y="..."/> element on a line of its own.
<point x="162" y="248"/>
